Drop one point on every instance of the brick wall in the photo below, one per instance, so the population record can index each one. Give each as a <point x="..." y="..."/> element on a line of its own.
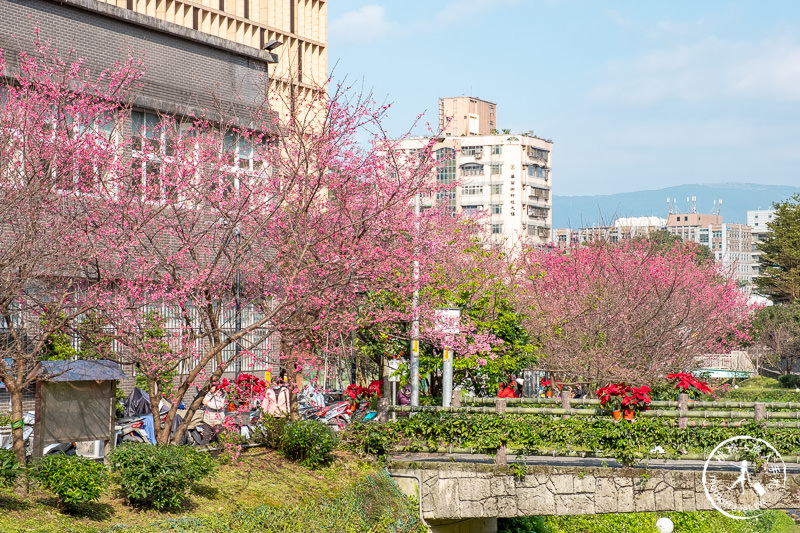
<point x="186" y="71"/>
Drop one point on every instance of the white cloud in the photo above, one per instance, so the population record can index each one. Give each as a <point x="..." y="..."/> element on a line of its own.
<point x="619" y="19"/>
<point x="363" y="25"/>
<point x="706" y="71"/>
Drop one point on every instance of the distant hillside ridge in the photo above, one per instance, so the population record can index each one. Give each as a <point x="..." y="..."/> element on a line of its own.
<point x="737" y="199"/>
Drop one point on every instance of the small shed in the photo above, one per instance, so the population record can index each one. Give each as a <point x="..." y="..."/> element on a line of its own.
<point x="75" y="402"/>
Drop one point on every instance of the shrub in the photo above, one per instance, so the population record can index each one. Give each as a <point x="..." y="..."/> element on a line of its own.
<point x="75" y="480"/>
<point x="158" y="476"/>
<point x="10" y="468"/>
<point x="789" y="381"/>
<point x="269" y="431"/>
<point x="309" y="442"/>
<point x="369" y="438"/>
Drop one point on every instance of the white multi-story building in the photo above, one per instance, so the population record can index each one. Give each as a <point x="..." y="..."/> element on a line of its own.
<point x="757" y="220"/>
<point x="506" y="177"/>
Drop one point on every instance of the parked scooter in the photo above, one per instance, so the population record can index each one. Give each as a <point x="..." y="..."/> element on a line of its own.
<point x="28" y="420"/>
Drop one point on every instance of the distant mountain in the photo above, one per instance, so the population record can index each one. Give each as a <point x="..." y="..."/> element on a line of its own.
<point x="737" y="199"/>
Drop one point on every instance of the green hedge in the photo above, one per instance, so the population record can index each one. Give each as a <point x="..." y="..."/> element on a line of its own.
<point x="624" y="441"/>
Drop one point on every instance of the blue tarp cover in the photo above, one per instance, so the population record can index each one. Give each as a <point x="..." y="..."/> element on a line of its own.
<point x="88" y="370"/>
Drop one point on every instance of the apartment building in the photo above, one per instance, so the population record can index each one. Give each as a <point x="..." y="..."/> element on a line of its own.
<point x="731" y="244"/>
<point x="758" y="220"/>
<point x="505" y="177"/>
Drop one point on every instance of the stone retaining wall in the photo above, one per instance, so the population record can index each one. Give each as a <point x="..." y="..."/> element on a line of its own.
<point x="465" y="490"/>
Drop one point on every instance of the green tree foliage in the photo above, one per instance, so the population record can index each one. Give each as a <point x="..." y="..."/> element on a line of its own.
<point x="780" y="254"/>
<point x="483" y="294"/>
<point x="778" y="328"/>
<point x="663" y="241"/>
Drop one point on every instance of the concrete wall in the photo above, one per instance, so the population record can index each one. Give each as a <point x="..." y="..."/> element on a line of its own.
<point x="452" y="491"/>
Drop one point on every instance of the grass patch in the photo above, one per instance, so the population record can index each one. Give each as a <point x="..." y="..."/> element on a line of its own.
<point x="263" y="477"/>
<point x="373" y="503"/>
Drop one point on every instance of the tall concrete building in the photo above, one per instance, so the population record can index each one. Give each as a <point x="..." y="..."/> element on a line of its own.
<point x="186" y="71"/>
<point x="466" y="115"/>
<point x="301" y="26"/>
<point x="506" y="177"/>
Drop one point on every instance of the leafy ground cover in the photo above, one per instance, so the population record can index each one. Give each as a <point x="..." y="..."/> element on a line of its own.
<point x="626" y="442"/>
<point x="264" y="478"/>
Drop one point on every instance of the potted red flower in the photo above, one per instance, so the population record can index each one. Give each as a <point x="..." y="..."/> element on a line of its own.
<point x="619" y="396"/>
<point x="689" y="384"/>
<point x="636" y="400"/>
<point x="611" y="398"/>
<point x="549" y="386"/>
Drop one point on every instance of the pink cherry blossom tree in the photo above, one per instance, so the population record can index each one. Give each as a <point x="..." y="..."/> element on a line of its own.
<point x="56" y="120"/>
<point x="291" y="223"/>
<point x="630" y="312"/>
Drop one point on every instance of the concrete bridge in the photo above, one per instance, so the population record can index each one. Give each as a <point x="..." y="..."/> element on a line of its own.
<point x="466" y="494"/>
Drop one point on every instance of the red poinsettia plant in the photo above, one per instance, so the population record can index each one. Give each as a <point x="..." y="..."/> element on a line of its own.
<point x="637" y="399"/>
<point x="690" y="384"/>
<point x="359" y="393"/>
<point x="550" y="385"/>
<point x="617" y="396"/>
<point x="247" y="387"/>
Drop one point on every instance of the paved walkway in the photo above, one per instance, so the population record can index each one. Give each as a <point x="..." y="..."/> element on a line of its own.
<point x="660" y="464"/>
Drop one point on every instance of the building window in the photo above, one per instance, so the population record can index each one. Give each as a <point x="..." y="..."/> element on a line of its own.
<point x="497" y="209"/>
<point x="497" y="149"/>
<point x="472" y="169"/>
<point x="535" y="171"/>
<point x="471" y="209"/>
<point x="496" y="168"/>
<point x="497" y="189"/>
<point x="537" y="153"/>
<point x="471" y="190"/>
<point x="718" y="234"/>
<point x="497" y="228"/>
<point x="445" y="173"/>
<point x="472" y="150"/>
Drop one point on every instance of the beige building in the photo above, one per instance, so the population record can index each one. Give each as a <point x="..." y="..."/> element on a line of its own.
<point x="300" y="25"/>
<point x="466" y="115"/>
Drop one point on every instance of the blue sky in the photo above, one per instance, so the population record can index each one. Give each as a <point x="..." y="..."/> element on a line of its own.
<point x="635" y="95"/>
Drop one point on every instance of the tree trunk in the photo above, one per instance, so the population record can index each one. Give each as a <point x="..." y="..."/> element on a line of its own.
<point x="17" y="433"/>
<point x="162" y="434"/>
